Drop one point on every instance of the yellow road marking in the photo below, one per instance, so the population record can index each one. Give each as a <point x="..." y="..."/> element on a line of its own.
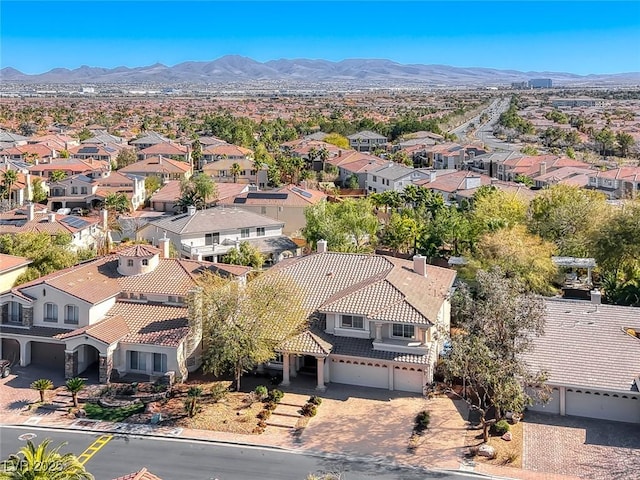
<point x="94" y="448"/>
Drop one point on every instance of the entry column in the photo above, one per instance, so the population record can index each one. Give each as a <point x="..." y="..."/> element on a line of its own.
<point x="320" y="374"/>
<point x="285" y="370"/>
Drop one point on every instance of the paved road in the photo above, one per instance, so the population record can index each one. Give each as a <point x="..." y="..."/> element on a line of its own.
<point x="185" y="460"/>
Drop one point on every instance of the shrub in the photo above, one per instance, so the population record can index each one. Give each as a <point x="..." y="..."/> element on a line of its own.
<point x="511" y="456"/>
<point x="276" y="395"/>
<point x="308" y="410"/>
<point x="261" y="392"/>
<point x="271" y="406"/>
<point x="315" y="400"/>
<point x="501" y="427"/>
<point x="264" y="414"/>
<point x="218" y="392"/>
<point x="422" y="421"/>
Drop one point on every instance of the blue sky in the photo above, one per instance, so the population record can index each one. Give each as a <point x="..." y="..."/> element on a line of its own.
<point x="574" y="36"/>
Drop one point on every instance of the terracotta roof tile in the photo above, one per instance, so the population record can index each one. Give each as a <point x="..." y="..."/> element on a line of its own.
<point x="306" y="343"/>
<point x="107" y="331"/>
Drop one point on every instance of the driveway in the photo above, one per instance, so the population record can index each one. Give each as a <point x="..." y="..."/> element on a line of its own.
<point x="591" y="449"/>
<point x="15" y="391"/>
<point x="373" y="422"/>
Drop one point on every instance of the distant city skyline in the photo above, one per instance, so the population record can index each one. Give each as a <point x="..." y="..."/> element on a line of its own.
<point x="579" y="37"/>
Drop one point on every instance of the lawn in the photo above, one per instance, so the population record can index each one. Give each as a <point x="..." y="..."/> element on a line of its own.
<point x="112" y="414"/>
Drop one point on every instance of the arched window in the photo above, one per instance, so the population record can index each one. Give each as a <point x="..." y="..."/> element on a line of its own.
<point x="71" y="314"/>
<point x="50" y="312"/>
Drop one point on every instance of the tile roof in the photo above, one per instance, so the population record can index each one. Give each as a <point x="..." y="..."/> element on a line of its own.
<point x="392" y="171"/>
<point x="35" y="331"/>
<point x="139" y="251"/>
<point x="108" y="330"/>
<point x="585" y="346"/>
<point x="15" y="221"/>
<point x="152" y="324"/>
<point x="306" y="343"/>
<point x="143" y="474"/>
<point x="11" y="262"/>
<point x="213" y="219"/>
<point x="157" y="164"/>
<point x="366" y="134"/>
<point x="165" y="148"/>
<point x="289" y="195"/>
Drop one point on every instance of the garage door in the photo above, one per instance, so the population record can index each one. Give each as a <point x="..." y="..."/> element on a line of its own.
<point x="552" y="406"/>
<point x="11" y="350"/>
<point x="47" y="354"/>
<point x="364" y="374"/>
<point x="408" y="379"/>
<point x="620" y="408"/>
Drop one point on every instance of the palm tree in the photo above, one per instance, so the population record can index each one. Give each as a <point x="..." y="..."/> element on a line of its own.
<point x="116" y="202"/>
<point x="42" y="385"/>
<point x="40" y="463"/>
<point x="74" y="385"/>
<point x="9" y="179"/>
<point x="236" y="170"/>
<point x="58" y="175"/>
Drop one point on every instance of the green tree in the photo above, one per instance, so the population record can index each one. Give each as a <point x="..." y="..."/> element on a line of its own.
<point x="191" y="403"/>
<point x="498" y="322"/>
<point x="625" y="141"/>
<point x="337" y="140"/>
<point x="42" y="385"/>
<point x="243" y="324"/>
<point x="84" y="134"/>
<point x="524" y="179"/>
<point x="151" y="185"/>
<point x="246" y="254"/>
<point x="606" y="139"/>
<point x="494" y="209"/>
<point x="41" y="463"/>
<point x="400" y="233"/>
<point x="74" y="385"/>
<point x="64" y="153"/>
<point x="58" y="175"/>
<point x="352" y="182"/>
<point x="117" y="203"/>
<point x="568" y="216"/>
<point x="196" y="152"/>
<point x="198" y="190"/>
<point x="520" y="255"/>
<point x="236" y="171"/>
<point x="9" y="179"/>
<point x="39" y="195"/>
<point x="125" y="158"/>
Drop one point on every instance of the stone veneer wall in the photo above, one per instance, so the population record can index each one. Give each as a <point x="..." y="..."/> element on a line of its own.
<point x="70" y="364"/>
<point x="27" y="316"/>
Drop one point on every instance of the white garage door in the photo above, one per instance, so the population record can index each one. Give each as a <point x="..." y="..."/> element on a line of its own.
<point x="364" y="374"/>
<point x="408" y="379"/>
<point x="620" y="408"/>
<point x="552" y="406"/>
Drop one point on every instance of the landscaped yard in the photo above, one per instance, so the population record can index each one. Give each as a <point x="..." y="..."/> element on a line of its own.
<point x="507" y="452"/>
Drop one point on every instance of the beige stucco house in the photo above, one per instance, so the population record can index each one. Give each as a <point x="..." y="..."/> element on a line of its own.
<point x="11" y="267"/>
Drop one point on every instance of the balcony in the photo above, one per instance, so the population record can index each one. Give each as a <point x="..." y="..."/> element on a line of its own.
<point x="207" y="250"/>
<point x="409" y="345"/>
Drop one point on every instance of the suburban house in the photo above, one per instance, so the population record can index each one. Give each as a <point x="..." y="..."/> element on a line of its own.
<point x="148" y="140"/>
<point x="451" y="156"/>
<point x="166" y="199"/>
<point x="90" y="191"/>
<point x="393" y="176"/>
<point x="452" y="184"/>
<point x="375" y="321"/>
<point x="106" y="152"/>
<point x="225" y="151"/>
<point x="359" y="164"/>
<point x="11" y="267"/>
<point x="8" y="139"/>
<point x="69" y="166"/>
<point x="210" y="234"/>
<point x="123" y="313"/>
<point x="85" y="231"/>
<point x="166" y="149"/>
<point x="532" y="166"/>
<point x="575" y="176"/>
<point x="221" y="172"/>
<point x="37" y="152"/>
<point x="315" y="152"/>
<point x="591" y="353"/>
<point x="367" y="141"/>
<point x="104" y="137"/>
<point x="285" y="204"/>
<point x="162" y="167"/>
<point x="623" y="182"/>
<point x="20" y="192"/>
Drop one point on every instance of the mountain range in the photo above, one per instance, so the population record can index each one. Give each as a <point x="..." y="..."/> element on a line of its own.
<point x="238" y="69"/>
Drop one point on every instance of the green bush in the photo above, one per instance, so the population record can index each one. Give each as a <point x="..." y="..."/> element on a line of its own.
<point x="261" y="391"/>
<point x="116" y="414"/>
<point x="276" y="395"/>
<point x="308" y="410"/>
<point x="315" y="400"/>
<point x="501" y="427"/>
<point x="218" y="391"/>
<point x="422" y="421"/>
<point x="271" y="406"/>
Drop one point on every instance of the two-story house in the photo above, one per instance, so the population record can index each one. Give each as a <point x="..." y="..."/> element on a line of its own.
<point x="367" y="141"/>
<point x="393" y="176"/>
<point x="148" y="140"/>
<point x="166" y="149"/>
<point x="210" y="234"/>
<point x="122" y="313"/>
<point x="164" y="168"/>
<point x="623" y="182"/>
<point x="375" y="321"/>
<point x="11" y="267"/>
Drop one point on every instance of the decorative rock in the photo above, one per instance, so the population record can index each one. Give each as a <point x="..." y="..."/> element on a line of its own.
<point x="487" y="451"/>
<point x="507" y="436"/>
<point x="80" y="413"/>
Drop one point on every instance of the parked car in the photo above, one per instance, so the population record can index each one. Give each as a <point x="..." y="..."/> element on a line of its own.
<point x="63" y="211"/>
<point x="77" y="211"/>
<point x="5" y="368"/>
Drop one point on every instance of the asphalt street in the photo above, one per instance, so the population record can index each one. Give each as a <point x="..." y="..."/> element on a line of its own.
<point x="184" y="459"/>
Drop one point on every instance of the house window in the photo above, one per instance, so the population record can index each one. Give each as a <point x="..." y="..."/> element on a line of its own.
<point x="50" y="312"/>
<point x="71" y="314"/>
<point x="260" y="231"/>
<point x="404" y="331"/>
<point x="375" y="179"/>
<point x="15" y="312"/>
<point x="137" y="360"/>
<point x="160" y="362"/>
<point x="279" y="358"/>
<point x="130" y="263"/>
<point x="244" y="233"/>
<point x="83" y="190"/>
<point x="351" y="321"/>
<point x="211" y="238"/>
<point x="74" y="190"/>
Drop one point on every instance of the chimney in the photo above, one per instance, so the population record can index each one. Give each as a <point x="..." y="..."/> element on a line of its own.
<point x="31" y="212"/>
<point x="321" y="246"/>
<point x="104" y="217"/>
<point x="163" y="243"/>
<point x="543" y="168"/>
<point x="420" y="265"/>
<point x="51" y="217"/>
<point x="596" y="297"/>
<point x="191" y="210"/>
<point x="159" y="159"/>
<point x="472" y="182"/>
<point x="339" y="153"/>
